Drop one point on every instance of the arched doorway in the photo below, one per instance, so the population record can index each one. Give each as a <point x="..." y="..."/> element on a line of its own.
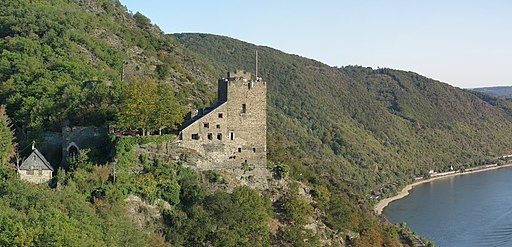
<point x="73" y="151"/>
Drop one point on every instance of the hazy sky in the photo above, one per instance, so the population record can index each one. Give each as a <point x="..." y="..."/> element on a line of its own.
<point x="465" y="43"/>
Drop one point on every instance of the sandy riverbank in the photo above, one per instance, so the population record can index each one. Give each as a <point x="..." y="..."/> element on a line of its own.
<point x="379" y="207"/>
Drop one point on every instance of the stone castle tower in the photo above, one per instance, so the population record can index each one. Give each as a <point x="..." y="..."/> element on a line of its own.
<point x="232" y="131"/>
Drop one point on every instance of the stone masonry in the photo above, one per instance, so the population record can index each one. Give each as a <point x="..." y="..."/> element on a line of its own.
<point x="233" y="131"/>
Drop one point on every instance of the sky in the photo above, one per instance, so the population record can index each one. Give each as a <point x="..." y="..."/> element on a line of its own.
<point x="463" y="43"/>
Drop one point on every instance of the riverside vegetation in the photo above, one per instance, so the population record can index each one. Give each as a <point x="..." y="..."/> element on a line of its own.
<point x="339" y="134"/>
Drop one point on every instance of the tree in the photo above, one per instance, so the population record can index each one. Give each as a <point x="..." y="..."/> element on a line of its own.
<point x="141" y="20"/>
<point x="6" y="137"/>
<point x="138" y="104"/>
<point x="296" y="209"/>
<point x="241" y="217"/>
<point x="169" y="112"/>
<point x="149" y="106"/>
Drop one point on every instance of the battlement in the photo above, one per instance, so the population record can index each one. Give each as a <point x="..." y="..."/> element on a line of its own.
<point x="236" y="83"/>
<point x="239" y="75"/>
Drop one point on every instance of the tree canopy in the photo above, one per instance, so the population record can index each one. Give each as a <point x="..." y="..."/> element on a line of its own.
<point x="147" y="105"/>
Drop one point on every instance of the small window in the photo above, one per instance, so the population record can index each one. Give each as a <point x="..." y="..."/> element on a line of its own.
<point x="254" y="150"/>
<point x="206" y="125"/>
<point x="30" y="172"/>
<point x="239" y="150"/>
<point x="210" y="136"/>
<point x="195" y="136"/>
<point x="40" y="172"/>
<point x="218" y="126"/>
<point x="244" y="108"/>
<point x="219" y="136"/>
<point x="232" y="135"/>
<point x="221" y="115"/>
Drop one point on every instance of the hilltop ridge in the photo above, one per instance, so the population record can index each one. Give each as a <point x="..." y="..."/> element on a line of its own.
<point x="503" y="91"/>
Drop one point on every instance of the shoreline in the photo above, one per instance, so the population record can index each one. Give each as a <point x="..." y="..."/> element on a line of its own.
<point x="379" y="207"/>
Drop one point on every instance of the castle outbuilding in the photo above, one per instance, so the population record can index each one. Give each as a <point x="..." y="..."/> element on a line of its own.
<point x="35" y="168"/>
<point x="232" y="132"/>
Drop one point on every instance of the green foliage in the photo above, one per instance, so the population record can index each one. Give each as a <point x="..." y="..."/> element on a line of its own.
<point x="281" y="170"/>
<point x="138" y="105"/>
<point x="149" y="106"/>
<point x="247" y="167"/>
<point x="502" y="91"/>
<point x="294" y="235"/>
<point x="141" y="20"/>
<point x="169" y="112"/>
<point x="242" y="218"/>
<point x="220" y="219"/>
<point x="124" y="147"/>
<point x="50" y="51"/>
<point x="39" y="216"/>
<point x="296" y="209"/>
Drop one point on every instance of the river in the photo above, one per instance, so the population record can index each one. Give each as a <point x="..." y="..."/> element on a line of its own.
<point x="466" y="210"/>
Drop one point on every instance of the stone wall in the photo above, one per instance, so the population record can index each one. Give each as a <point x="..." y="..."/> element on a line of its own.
<point x="51" y="147"/>
<point x="38" y="176"/>
<point x="80" y="137"/>
<point x="56" y="145"/>
<point x="172" y="151"/>
<point x="234" y="132"/>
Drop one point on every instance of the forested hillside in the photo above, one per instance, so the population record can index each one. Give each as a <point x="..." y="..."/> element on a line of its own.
<point x="335" y="135"/>
<point x="364" y="127"/>
<point x="503" y="91"/>
<point x="86" y="62"/>
<point x="63" y="60"/>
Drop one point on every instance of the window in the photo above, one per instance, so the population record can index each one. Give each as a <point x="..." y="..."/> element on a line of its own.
<point x="40" y="172"/>
<point x="232" y="135"/>
<point x="30" y="172"/>
<point x="206" y="125"/>
<point x="239" y="150"/>
<point x="254" y="150"/>
<point x="218" y="126"/>
<point x="244" y="108"/>
<point x="219" y="136"/>
<point x="210" y="136"/>
<point x="221" y="115"/>
<point x="195" y="136"/>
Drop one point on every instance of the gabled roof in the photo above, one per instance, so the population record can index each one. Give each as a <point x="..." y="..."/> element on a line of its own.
<point x="35" y="161"/>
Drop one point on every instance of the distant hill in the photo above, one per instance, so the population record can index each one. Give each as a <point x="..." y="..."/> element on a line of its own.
<point x="501" y="91"/>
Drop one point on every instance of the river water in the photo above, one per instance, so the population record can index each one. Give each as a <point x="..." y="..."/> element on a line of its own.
<point x="466" y="210"/>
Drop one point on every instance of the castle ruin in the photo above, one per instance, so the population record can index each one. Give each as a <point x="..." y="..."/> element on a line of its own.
<point x="232" y="132"/>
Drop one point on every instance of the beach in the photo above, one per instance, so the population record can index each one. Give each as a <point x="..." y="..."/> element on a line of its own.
<point x="379" y="207"/>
